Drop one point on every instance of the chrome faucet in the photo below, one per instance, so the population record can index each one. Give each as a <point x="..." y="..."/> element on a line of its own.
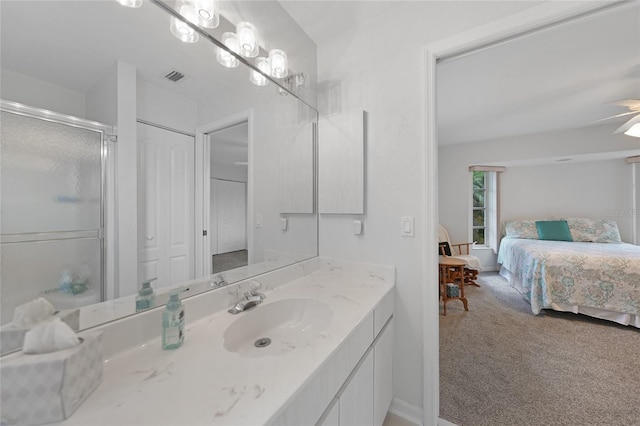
<point x="250" y="299"/>
<point x="219" y="281"/>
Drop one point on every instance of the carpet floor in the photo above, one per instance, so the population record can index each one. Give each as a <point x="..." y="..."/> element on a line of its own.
<point x="231" y="260"/>
<point x="502" y="365"/>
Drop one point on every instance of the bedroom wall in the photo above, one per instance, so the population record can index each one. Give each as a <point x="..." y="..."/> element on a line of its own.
<point x="531" y="162"/>
<point x="594" y="189"/>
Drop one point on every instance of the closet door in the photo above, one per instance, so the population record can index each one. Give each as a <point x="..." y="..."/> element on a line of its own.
<point x="165" y="205"/>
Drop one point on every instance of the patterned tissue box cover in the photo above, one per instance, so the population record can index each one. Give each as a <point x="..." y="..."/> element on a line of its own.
<point x="453" y="290"/>
<point x="44" y="388"/>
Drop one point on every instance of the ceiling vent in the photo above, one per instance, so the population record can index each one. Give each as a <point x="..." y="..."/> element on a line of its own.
<point x="174" y="76"/>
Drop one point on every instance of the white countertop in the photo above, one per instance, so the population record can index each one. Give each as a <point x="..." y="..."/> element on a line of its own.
<point x="203" y="383"/>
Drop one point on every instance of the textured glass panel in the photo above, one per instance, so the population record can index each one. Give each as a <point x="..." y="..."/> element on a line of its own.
<point x="50" y="176"/>
<point x="36" y="269"/>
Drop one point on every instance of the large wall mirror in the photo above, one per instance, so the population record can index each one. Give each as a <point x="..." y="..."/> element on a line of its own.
<point x="197" y="176"/>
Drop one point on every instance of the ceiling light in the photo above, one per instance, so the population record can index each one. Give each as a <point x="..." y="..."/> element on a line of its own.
<point x="208" y="15"/>
<point x="224" y="57"/>
<point x="634" y="131"/>
<point x="180" y="29"/>
<point x="279" y="63"/>
<point x="130" y="3"/>
<point x="257" y="78"/>
<point x="248" y="38"/>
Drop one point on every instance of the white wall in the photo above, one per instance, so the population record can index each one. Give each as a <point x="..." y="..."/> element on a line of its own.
<point x="30" y="91"/>
<point x="160" y="106"/>
<point x="378" y="68"/>
<point x="607" y="189"/>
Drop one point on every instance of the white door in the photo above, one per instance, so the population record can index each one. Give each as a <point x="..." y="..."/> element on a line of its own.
<point x="165" y="205"/>
<point x="231" y="206"/>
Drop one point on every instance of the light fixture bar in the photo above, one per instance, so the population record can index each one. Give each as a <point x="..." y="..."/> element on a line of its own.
<point x="171" y="11"/>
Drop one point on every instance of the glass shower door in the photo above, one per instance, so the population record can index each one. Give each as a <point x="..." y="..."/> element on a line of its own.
<point x="51" y="225"/>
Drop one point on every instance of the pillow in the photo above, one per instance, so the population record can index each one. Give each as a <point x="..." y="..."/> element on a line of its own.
<point x="582" y="229"/>
<point x="607" y="232"/>
<point x="521" y="229"/>
<point x="555" y="230"/>
<point x="445" y="248"/>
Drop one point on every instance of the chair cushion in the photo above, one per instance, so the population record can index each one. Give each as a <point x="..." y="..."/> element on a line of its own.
<point x="472" y="262"/>
<point x="445" y="248"/>
<point x="555" y="230"/>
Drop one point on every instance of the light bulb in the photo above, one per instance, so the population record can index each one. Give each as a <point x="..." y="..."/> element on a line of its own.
<point x="279" y="63"/>
<point x="208" y="16"/>
<point x="224" y="57"/>
<point x="247" y="35"/>
<point x="180" y="29"/>
<point x="130" y="3"/>
<point x="257" y="78"/>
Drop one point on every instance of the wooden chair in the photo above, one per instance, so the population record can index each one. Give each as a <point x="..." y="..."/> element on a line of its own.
<point x="461" y="251"/>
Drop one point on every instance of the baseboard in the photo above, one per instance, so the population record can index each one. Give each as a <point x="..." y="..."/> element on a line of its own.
<point x="407" y="411"/>
<point x="412" y="413"/>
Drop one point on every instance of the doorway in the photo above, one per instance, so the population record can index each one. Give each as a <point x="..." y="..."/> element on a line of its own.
<point x="228" y="181"/>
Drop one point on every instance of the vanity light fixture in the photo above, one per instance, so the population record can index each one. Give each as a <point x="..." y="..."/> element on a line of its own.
<point x="247" y="35"/>
<point x="180" y="29"/>
<point x="207" y="12"/>
<point x="130" y="3"/>
<point x="279" y="63"/>
<point x="257" y="78"/>
<point x="224" y="57"/>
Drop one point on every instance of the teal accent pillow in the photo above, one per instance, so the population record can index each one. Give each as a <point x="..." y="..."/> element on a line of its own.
<point x="554" y="230"/>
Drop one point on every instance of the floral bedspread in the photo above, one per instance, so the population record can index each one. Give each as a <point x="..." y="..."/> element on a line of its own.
<point x="597" y="275"/>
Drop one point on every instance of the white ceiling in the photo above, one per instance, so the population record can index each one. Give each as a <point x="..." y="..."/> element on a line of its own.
<point x="557" y="79"/>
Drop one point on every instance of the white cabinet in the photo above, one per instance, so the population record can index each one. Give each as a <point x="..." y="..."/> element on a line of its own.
<point x="383" y="374"/>
<point x="366" y="395"/>
<point x="331" y="417"/>
<point x="341" y="163"/>
<point x="356" y="400"/>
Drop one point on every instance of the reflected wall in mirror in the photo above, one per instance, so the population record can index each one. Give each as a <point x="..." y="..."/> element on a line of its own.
<point x="157" y="198"/>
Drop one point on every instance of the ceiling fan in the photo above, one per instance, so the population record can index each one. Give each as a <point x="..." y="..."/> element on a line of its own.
<point x="630" y="127"/>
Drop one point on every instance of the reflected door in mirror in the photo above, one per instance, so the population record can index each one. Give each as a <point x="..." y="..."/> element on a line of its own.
<point x="165" y="205"/>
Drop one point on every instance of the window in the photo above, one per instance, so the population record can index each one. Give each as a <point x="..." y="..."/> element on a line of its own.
<point x="484" y="208"/>
<point x="479" y="212"/>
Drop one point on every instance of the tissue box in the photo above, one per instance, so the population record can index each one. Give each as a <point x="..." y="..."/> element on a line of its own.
<point x="12" y="337"/>
<point x="453" y="290"/>
<point x="45" y="388"/>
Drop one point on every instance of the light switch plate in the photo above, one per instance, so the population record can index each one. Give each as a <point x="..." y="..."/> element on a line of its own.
<point x="258" y="221"/>
<point x="283" y="223"/>
<point x="407" y="226"/>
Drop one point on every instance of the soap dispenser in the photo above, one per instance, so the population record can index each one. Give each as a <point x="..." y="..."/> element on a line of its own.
<point x="145" y="297"/>
<point x="173" y="323"/>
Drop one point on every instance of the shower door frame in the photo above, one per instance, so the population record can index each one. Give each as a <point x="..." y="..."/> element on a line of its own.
<point x="106" y="239"/>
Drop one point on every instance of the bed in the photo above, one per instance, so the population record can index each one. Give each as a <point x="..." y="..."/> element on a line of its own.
<point x="595" y="274"/>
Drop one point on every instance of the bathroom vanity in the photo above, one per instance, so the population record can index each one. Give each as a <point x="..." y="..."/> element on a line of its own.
<point x="318" y="350"/>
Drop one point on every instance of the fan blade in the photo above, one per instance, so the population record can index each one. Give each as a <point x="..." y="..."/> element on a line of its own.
<point x="616" y="116"/>
<point x="633" y="104"/>
<point x="629" y="124"/>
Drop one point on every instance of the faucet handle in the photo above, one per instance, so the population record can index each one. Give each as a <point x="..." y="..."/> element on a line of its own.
<point x="255" y="286"/>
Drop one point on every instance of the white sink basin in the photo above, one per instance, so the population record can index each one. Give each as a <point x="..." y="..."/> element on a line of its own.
<point x="278" y="327"/>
